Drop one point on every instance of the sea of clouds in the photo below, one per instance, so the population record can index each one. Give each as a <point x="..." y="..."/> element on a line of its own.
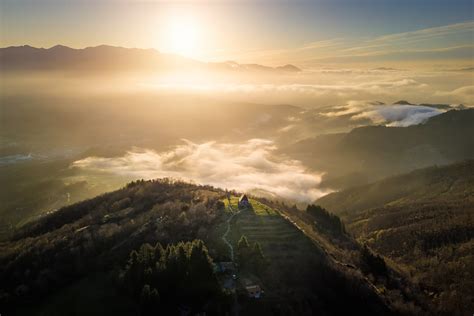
<point x="320" y="86"/>
<point x="251" y="166"/>
<point x="390" y="115"/>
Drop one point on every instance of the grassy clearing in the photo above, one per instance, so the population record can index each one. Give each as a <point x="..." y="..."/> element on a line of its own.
<point x="291" y="256"/>
<point x="286" y="248"/>
<point x="282" y="243"/>
<point x="259" y="209"/>
<point x="262" y="209"/>
<point x="234" y="202"/>
<point x="273" y="232"/>
<point x="265" y="230"/>
<point x="272" y="243"/>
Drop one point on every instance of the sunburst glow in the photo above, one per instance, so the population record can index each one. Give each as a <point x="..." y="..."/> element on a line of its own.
<point x="182" y="34"/>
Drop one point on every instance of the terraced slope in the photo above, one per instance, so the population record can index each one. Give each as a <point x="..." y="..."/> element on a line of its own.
<point x="279" y="238"/>
<point x="298" y="273"/>
<point x="81" y="247"/>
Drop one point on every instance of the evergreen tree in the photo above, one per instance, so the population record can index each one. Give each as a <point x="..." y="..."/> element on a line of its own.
<point x="374" y="263"/>
<point x="243" y="243"/>
<point x="149" y="301"/>
<point x="183" y="271"/>
<point x="243" y="251"/>
<point x="257" y="258"/>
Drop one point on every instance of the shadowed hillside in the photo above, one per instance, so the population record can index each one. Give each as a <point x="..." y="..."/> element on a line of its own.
<point x="424" y="222"/>
<point x="85" y="247"/>
<point x="370" y="153"/>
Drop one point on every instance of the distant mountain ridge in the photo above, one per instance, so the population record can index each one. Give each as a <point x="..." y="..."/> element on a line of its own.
<point x="428" y="184"/>
<point x="374" y="152"/>
<point x="112" y="58"/>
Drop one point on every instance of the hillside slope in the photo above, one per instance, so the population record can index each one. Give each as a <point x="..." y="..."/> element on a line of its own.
<point x="45" y="179"/>
<point x="451" y="182"/>
<point x="423" y="221"/>
<point x="75" y="260"/>
<point x="371" y="153"/>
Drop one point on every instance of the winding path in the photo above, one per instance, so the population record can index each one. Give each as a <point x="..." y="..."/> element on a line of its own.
<point x="235" y="305"/>
<point x="224" y="237"/>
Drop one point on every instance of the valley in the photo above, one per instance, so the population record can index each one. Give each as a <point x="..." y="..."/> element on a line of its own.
<point x="236" y="158"/>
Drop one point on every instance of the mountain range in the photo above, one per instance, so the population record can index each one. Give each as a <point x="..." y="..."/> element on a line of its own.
<point x="117" y="59"/>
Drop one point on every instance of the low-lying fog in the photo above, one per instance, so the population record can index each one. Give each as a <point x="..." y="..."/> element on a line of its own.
<point x="77" y="136"/>
<point x="309" y="88"/>
<point x="250" y="166"/>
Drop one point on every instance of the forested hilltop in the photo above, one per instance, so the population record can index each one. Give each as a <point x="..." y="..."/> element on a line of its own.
<point x="371" y="153"/>
<point x="424" y="222"/>
<point x="172" y="247"/>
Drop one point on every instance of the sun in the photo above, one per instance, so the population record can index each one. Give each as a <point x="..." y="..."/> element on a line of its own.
<point x="181" y="35"/>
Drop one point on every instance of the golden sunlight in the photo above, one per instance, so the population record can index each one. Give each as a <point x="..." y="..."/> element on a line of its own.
<point x="181" y="35"/>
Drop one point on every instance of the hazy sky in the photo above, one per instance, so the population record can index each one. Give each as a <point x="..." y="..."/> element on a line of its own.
<point x="301" y="32"/>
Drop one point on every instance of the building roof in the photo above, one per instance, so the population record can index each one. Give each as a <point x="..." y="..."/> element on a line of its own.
<point x="254" y="290"/>
<point x="243" y="197"/>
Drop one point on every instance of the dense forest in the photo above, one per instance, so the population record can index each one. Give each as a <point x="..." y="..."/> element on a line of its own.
<point x="178" y="277"/>
<point x="96" y="235"/>
<point x="423" y="221"/>
<point x="158" y="245"/>
<point x="155" y="245"/>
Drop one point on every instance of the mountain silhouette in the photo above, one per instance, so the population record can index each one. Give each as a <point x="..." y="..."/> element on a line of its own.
<point x="111" y="58"/>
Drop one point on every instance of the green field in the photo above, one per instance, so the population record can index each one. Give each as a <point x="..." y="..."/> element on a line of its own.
<point x="262" y="224"/>
<point x="278" y="237"/>
<point x="257" y="207"/>
<point x="289" y="253"/>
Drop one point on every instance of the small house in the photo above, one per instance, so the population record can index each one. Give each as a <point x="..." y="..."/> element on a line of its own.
<point x="254" y="291"/>
<point x="244" y="201"/>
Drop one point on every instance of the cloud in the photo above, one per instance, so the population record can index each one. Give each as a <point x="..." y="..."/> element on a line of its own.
<point x="390" y="115"/>
<point x="381" y="86"/>
<point x="324" y="86"/>
<point x="249" y="166"/>
<point x="286" y="128"/>
<point x="352" y="107"/>
<point x="447" y="42"/>
<point x="428" y="33"/>
<point x="463" y="94"/>
<point x="399" y="115"/>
